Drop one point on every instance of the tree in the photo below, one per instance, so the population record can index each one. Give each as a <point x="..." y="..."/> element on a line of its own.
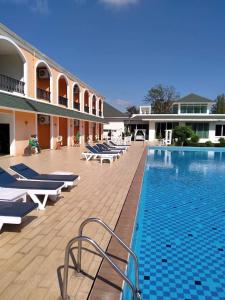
<point x="219" y="107"/>
<point x="182" y="133"/>
<point x="161" y="98"/>
<point x="132" y="110"/>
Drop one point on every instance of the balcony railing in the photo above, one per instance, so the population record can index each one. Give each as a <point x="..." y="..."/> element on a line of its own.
<point x="11" y="85"/>
<point x="100" y="113"/>
<point x="63" y="100"/>
<point x="93" y="111"/>
<point x="86" y="109"/>
<point x="43" y="94"/>
<point x="76" y="105"/>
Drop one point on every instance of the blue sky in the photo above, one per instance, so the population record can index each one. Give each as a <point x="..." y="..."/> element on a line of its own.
<point x="124" y="47"/>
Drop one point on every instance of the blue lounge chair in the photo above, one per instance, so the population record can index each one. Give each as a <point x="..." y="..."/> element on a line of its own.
<point x="28" y="173"/>
<point x="33" y="188"/>
<point x="104" y="148"/>
<point x="121" y="145"/>
<point x="96" y="148"/>
<point x="13" y="212"/>
<point x="111" y="148"/>
<point x="94" y="154"/>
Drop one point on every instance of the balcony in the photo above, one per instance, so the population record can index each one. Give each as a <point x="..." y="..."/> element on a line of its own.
<point x="100" y="114"/>
<point x="42" y="94"/>
<point x="11" y="85"/>
<point x="93" y="111"/>
<point x="76" y="105"/>
<point x="86" y="109"/>
<point x="63" y="100"/>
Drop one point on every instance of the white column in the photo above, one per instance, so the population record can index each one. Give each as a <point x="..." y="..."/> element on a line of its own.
<point x="68" y="133"/>
<point x="151" y="135"/>
<point x="90" y="104"/>
<point x="81" y="100"/>
<point x="51" y="133"/>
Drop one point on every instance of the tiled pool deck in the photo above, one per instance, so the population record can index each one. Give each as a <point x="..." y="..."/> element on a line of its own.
<point x="31" y="253"/>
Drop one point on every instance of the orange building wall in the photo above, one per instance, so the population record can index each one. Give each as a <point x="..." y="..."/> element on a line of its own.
<point x="25" y="126"/>
<point x="63" y="130"/>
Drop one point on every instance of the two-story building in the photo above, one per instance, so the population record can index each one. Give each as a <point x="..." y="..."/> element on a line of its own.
<point x="192" y="110"/>
<point x="38" y="96"/>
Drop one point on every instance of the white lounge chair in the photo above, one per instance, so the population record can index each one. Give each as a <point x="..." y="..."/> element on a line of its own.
<point x="33" y="188"/>
<point x="26" y="172"/>
<point x="13" y="212"/>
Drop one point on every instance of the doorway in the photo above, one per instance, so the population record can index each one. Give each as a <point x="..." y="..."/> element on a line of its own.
<point x="4" y="139"/>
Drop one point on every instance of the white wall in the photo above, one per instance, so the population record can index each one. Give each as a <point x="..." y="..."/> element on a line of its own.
<point x="114" y="126"/>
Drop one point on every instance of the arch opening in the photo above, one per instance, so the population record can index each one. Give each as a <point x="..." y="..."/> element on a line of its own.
<point x="12" y="67"/>
<point x="100" y="108"/>
<point x="43" y="82"/>
<point x="86" y="102"/>
<point x="94" y="105"/>
<point x="62" y="91"/>
<point x="76" y="97"/>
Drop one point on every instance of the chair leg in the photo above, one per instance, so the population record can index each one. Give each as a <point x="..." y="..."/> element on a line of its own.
<point x="41" y="206"/>
<point x="1" y="224"/>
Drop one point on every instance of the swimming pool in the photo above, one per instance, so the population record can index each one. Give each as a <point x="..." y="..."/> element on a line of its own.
<point x="179" y="234"/>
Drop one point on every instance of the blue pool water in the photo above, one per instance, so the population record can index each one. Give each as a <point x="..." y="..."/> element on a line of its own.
<point x="179" y="235"/>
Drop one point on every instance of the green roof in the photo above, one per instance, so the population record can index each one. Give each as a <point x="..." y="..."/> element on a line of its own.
<point x="112" y="112"/>
<point x="29" y="105"/>
<point x="194" y="98"/>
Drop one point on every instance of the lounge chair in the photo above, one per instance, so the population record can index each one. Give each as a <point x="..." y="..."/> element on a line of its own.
<point x="28" y="173"/>
<point x="104" y="148"/>
<point x="112" y="148"/>
<point x="121" y="145"/>
<point x="94" y="154"/>
<point x="33" y="188"/>
<point x="99" y="152"/>
<point x="13" y="212"/>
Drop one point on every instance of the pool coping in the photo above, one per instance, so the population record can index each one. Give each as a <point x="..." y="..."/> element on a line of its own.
<point x="108" y="284"/>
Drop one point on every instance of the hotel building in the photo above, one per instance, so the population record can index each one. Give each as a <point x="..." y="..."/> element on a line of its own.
<point x="38" y="96"/>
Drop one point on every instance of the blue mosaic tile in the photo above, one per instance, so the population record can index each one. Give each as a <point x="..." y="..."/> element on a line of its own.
<point x="180" y="237"/>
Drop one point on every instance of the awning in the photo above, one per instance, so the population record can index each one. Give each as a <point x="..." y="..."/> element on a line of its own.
<point x="24" y="104"/>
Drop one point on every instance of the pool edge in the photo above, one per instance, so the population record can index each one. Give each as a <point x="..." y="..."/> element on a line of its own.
<point x="108" y="284"/>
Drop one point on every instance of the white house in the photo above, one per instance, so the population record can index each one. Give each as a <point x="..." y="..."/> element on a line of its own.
<point x="192" y="110"/>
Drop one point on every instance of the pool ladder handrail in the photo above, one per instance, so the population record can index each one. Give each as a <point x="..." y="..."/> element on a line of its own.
<point x="136" y="294"/>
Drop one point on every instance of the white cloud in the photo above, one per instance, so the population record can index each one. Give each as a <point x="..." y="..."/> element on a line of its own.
<point x="37" y="6"/>
<point x="121" y="102"/>
<point x="119" y="3"/>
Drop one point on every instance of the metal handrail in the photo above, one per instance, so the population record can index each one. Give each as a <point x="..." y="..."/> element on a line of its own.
<point x="135" y="292"/>
<point x="99" y="221"/>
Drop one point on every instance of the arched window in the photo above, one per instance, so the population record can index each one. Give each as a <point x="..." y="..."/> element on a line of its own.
<point x="100" y="108"/>
<point x="12" y="67"/>
<point x="62" y="90"/>
<point x="76" y="97"/>
<point x="94" y="105"/>
<point x="43" y="81"/>
<point x="86" y="102"/>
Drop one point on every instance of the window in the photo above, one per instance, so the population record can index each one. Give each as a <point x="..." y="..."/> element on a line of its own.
<point x="220" y="130"/>
<point x="193" y="109"/>
<point x="161" y="127"/>
<point x="201" y="129"/>
<point x="175" y="109"/>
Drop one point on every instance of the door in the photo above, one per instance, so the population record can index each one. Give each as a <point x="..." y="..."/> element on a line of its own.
<point x="44" y="131"/>
<point x="4" y="139"/>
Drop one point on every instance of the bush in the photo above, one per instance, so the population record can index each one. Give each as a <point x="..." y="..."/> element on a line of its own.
<point x="195" y="139"/>
<point x="182" y="134"/>
<point x="222" y="142"/>
<point x="209" y="144"/>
